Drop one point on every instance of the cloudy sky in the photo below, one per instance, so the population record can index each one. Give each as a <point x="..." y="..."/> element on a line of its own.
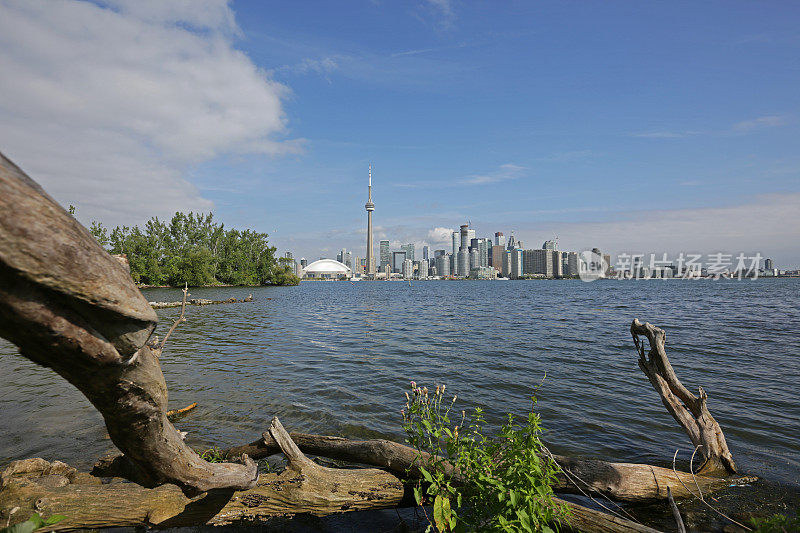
<point x="630" y="126"/>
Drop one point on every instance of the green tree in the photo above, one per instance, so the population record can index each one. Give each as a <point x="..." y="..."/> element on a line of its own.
<point x="195" y="249"/>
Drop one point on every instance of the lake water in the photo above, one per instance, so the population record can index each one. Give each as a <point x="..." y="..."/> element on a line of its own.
<point x="335" y="358"/>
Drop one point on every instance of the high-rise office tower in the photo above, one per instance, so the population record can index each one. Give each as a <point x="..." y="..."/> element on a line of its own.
<point x="498" y="251"/>
<point x="463" y="262"/>
<point x="409" y="250"/>
<point x="386" y="256"/>
<point x="499" y="239"/>
<point x="465" y="238"/>
<point x="474" y="258"/>
<point x="408" y="268"/>
<point x="516" y="263"/>
<point x="422" y="273"/>
<point x="425" y="251"/>
<point x="443" y="265"/>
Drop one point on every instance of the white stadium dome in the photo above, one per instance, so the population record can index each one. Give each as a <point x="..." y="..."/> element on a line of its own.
<point x="327" y="268"/>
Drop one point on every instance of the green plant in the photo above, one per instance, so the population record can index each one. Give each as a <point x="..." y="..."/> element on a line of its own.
<point x="33" y="523"/>
<point x="214" y="455"/>
<point x="475" y="481"/>
<point x="777" y="523"/>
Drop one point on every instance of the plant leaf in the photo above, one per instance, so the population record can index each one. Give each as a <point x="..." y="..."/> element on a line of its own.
<point x="54" y="519"/>
<point x="438" y="519"/>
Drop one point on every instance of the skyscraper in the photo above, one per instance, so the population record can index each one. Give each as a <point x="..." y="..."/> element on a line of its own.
<point x="370" y="207"/>
<point x="498" y="250"/>
<point x="422" y="272"/>
<point x="408" y="269"/>
<point x="386" y="257"/>
<point x="409" y="250"/>
<point x="455" y="242"/>
<point x="462" y="263"/>
<point x="465" y="238"/>
<point x="443" y="265"/>
<point x="425" y="251"/>
<point x="499" y="239"/>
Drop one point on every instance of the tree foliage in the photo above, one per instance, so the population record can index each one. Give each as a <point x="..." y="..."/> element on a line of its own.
<point x="194" y="249"/>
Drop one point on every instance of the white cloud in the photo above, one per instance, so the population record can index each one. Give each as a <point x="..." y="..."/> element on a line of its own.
<point x="745" y="126"/>
<point x="504" y="173"/>
<point x="666" y="134"/>
<point x="107" y="106"/>
<point x="214" y="15"/>
<point x="440" y="235"/>
<point x="324" y="66"/>
<point x="769" y="121"/>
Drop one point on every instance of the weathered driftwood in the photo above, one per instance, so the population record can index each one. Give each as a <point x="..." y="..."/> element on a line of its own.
<point x="688" y="410"/>
<point x="69" y="306"/>
<point x="621" y="481"/>
<point x="34" y="485"/>
<point x="200" y="301"/>
<point x="587" y="520"/>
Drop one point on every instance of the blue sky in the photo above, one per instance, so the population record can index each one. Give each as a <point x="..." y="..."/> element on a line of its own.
<point x="632" y="126"/>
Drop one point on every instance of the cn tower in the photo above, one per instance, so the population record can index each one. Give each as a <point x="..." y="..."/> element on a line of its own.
<point x="370" y="207"/>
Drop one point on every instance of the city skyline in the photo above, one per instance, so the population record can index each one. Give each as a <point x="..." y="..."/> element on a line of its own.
<point x="646" y="128"/>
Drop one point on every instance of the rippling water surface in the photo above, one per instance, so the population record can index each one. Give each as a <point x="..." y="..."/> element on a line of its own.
<point x="336" y="357"/>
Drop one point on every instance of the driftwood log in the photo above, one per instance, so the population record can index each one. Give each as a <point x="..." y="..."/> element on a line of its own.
<point x="620" y="481"/>
<point x="200" y="301"/>
<point x="69" y="306"/>
<point x="34" y="485"/>
<point x="688" y="410"/>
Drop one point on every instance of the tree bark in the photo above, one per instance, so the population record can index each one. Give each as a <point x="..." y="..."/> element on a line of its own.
<point x="34" y="485"/>
<point x="583" y="519"/>
<point x="688" y="410"/>
<point x="620" y="481"/>
<point x="70" y="306"/>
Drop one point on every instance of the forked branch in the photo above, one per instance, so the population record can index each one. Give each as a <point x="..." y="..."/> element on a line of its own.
<point x="690" y="411"/>
<point x="180" y="319"/>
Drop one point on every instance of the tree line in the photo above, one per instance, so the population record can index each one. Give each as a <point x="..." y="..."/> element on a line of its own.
<point x="195" y="249"/>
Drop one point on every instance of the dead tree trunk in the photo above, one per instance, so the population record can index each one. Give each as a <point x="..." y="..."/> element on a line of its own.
<point x="34" y="485"/>
<point x="688" y="410"/>
<point x="69" y="306"/>
<point x="621" y="481"/>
